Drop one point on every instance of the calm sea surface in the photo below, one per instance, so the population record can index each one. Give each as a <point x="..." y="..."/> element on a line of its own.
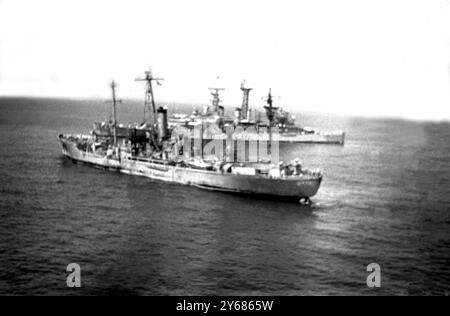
<point x="385" y="199"/>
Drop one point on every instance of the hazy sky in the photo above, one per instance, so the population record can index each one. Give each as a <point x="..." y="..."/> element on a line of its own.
<point x="379" y="57"/>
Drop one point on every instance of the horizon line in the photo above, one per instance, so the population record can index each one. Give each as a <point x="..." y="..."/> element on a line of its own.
<point x="342" y="115"/>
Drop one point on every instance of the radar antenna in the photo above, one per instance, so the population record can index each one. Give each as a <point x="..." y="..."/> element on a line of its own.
<point x="149" y="96"/>
<point x="215" y="92"/>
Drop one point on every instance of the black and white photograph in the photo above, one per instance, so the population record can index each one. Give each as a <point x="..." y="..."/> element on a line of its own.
<point x="224" y="154"/>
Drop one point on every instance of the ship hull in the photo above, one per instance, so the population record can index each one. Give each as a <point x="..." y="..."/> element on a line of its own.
<point x="337" y="139"/>
<point x="276" y="189"/>
<point x="332" y="139"/>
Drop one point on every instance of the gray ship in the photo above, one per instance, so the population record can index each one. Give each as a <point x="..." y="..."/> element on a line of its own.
<point x="152" y="152"/>
<point x="248" y="119"/>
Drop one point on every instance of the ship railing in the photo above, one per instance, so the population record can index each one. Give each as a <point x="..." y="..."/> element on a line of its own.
<point x="76" y="137"/>
<point x="146" y="160"/>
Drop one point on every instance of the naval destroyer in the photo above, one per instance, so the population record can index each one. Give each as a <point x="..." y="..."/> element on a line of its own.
<point x="150" y="150"/>
<point x="247" y="119"/>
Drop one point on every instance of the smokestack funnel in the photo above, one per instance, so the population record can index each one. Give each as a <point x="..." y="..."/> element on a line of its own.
<point x="162" y="123"/>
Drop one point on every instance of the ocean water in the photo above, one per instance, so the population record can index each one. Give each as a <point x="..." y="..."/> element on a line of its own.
<point x="385" y="199"/>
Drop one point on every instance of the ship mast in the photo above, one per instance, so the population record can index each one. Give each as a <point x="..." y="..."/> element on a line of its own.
<point x="270" y="109"/>
<point x="245" y="101"/>
<point x="149" y="97"/>
<point x="114" y="104"/>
